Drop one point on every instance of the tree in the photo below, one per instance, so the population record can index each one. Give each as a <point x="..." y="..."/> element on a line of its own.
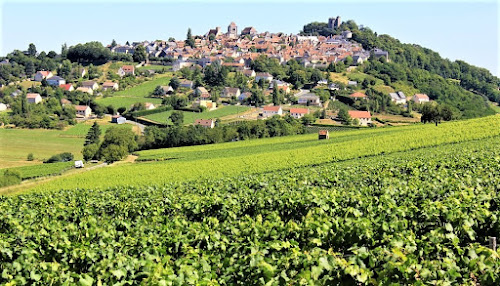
<point x="140" y="54"/>
<point x="431" y="113"/>
<point x="189" y="39"/>
<point x="52" y="54"/>
<point x="174" y="83"/>
<point x="344" y="116"/>
<point x="65" y="69"/>
<point x="316" y="76"/>
<point x="91" y="52"/>
<point x="159" y="91"/>
<point x="90" y="151"/>
<point x="30" y="157"/>
<point x="177" y="118"/>
<point x="113" y="43"/>
<point x="93" y="134"/>
<point x="276" y="99"/>
<point x="308" y="119"/>
<point x="117" y="143"/>
<point x="32" y="50"/>
<point x="113" y="153"/>
<point x="64" y="51"/>
<point x="348" y="61"/>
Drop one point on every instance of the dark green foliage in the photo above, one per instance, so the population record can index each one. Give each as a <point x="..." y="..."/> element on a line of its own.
<point x="92" y="52"/>
<point x="93" y="135"/>
<point x="174" y="83"/>
<point x="177" y="118"/>
<point x="30" y="157"/>
<point x="140" y="54"/>
<point x="117" y="143"/>
<point x="10" y="177"/>
<point x="189" y="39"/>
<point x="62" y="157"/>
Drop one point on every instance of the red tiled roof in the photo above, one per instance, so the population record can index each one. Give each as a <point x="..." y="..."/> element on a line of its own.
<point x="66" y="86"/>
<point x="299" y="110"/>
<point x="358" y="95"/>
<point x="323" y="132"/>
<point x="81" y="107"/>
<point x="32" y="95"/>
<point x="421" y="96"/>
<point x="272" y="108"/>
<point x="359" y="114"/>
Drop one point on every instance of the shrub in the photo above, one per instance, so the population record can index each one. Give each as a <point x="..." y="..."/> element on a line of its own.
<point x="63" y="157"/>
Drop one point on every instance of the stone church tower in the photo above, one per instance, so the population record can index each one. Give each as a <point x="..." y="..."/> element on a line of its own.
<point x="232" y="30"/>
<point x="334" y="23"/>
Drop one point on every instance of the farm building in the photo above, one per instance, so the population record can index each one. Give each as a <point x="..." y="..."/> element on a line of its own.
<point x="109" y="85"/>
<point x="298" y="112"/>
<point x="126" y="70"/>
<point x="420" y="98"/>
<point x="323" y="134"/>
<point x="118" y="119"/>
<point x="268" y="111"/>
<point x="309" y="99"/>
<point x="83" y="111"/>
<point x="40" y="75"/>
<point x="34" y="98"/>
<point x="364" y="117"/>
<point x="207" y="123"/>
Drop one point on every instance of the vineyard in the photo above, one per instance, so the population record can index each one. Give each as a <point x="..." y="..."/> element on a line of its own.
<point x="271" y="154"/>
<point x="41" y="170"/>
<point x="413" y="217"/>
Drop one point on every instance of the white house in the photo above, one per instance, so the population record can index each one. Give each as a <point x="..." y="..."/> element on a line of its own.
<point x="263" y="75"/>
<point x="231" y="91"/>
<point x="309" y="99"/>
<point x="208" y="104"/>
<point x="83" y="111"/>
<point x="85" y="89"/>
<point x="420" y="98"/>
<point x="364" y="117"/>
<point x="109" y="85"/>
<point x="90" y="84"/>
<point x="34" y="98"/>
<point x="398" y="97"/>
<point x="40" y="75"/>
<point x="268" y="111"/>
<point x="126" y="70"/>
<point x="56" y="81"/>
<point x="298" y="112"/>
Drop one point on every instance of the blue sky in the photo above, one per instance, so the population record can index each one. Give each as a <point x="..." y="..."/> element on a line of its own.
<point x="457" y="30"/>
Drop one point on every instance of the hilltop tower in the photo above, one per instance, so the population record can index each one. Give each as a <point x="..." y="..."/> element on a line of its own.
<point x="334" y="23"/>
<point x="232" y="30"/>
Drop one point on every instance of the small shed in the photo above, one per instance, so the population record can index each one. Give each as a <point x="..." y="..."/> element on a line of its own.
<point x="323" y="134"/>
<point x="118" y="119"/>
<point x="79" y="164"/>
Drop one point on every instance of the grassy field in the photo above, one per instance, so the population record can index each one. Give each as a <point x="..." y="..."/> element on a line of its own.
<point x="495" y="107"/>
<point x="81" y="129"/>
<point x="190" y="117"/>
<point x="139" y="93"/>
<point x="257" y="156"/>
<point x="41" y="170"/>
<point x="154" y="67"/>
<point x="144" y="89"/>
<point x="16" y="144"/>
<point x="122" y="101"/>
<point x="27" y="84"/>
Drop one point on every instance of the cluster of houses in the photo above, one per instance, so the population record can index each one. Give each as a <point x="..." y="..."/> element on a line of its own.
<point x="396" y="97"/>
<point x="216" y="45"/>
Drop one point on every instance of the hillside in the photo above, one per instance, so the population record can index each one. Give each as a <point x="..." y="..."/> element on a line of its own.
<point x="457" y="84"/>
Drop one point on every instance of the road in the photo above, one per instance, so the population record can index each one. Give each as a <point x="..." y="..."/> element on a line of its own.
<point x="141" y="126"/>
<point x="302" y="92"/>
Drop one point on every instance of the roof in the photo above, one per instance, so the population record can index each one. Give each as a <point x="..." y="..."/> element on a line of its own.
<point x="202" y="89"/>
<point x="358" y="95"/>
<point x="66" y="86"/>
<point x="81" y="107"/>
<point x="56" y="78"/>
<point x="231" y="89"/>
<point x="32" y="95"/>
<point x="65" y="101"/>
<point x="127" y="68"/>
<point x="88" y="83"/>
<point x="204" y="122"/>
<point x="421" y="96"/>
<point x="45" y="73"/>
<point x="272" y="108"/>
<point x="109" y="84"/>
<point x="359" y="114"/>
<point x="322" y="132"/>
<point x="299" y="110"/>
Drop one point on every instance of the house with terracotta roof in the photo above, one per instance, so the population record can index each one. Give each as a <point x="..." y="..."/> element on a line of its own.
<point x="126" y="70"/>
<point x="65" y="102"/>
<point x="40" y="75"/>
<point x="83" y="111"/>
<point x="249" y="31"/>
<point x="420" y="98"/>
<point x="34" y="98"/>
<point x="364" y="117"/>
<point x="207" y="123"/>
<point x="358" y="95"/>
<point x="67" y="87"/>
<point x="269" y="111"/>
<point x="298" y="112"/>
<point x="109" y="85"/>
<point x="323" y="134"/>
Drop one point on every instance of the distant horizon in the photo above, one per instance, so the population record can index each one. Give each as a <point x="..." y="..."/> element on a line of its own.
<point x="413" y="23"/>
